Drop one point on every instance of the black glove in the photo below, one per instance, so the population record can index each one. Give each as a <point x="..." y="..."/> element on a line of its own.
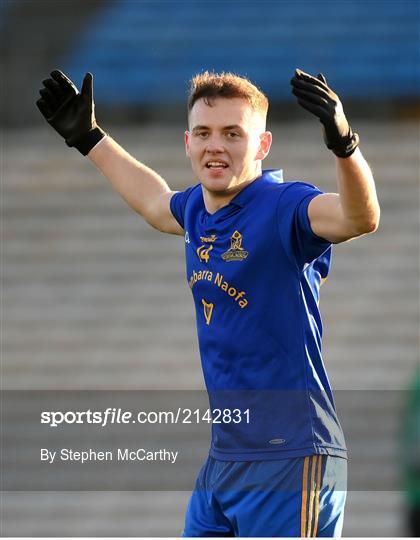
<point x="70" y="113"/>
<point x="315" y="96"/>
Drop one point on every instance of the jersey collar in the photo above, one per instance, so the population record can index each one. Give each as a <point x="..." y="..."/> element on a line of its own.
<point x="247" y="194"/>
<point x="241" y="199"/>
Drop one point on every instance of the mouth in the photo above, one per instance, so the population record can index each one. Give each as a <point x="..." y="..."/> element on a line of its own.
<point x="216" y="165"/>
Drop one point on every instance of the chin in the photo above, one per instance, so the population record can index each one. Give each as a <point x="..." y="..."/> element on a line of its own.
<point x="221" y="187"/>
<point x="218" y="183"/>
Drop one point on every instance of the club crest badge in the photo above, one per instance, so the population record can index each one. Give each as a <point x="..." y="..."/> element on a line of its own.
<point x="236" y="252"/>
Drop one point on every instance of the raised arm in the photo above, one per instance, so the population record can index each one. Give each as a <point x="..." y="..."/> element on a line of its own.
<point x="354" y="210"/>
<point x="72" y="114"/>
<point x="141" y="187"/>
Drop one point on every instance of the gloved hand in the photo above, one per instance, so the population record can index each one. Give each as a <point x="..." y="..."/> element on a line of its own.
<point x="70" y="113"/>
<point x="315" y="96"/>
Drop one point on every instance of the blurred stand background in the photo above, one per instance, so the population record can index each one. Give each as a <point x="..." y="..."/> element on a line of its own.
<point x="93" y="298"/>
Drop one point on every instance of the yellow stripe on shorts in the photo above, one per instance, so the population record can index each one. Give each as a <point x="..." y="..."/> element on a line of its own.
<point x="314" y="460"/>
<point x="312" y="468"/>
<point x="304" y="497"/>
<point x="318" y="489"/>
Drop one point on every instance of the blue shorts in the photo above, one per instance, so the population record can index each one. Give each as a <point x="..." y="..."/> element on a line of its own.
<point x="302" y="496"/>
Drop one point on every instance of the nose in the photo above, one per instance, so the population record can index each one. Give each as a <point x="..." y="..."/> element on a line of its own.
<point x="214" y="144"/>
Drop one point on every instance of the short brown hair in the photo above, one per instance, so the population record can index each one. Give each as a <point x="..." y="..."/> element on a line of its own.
<point x="210" y="86"/>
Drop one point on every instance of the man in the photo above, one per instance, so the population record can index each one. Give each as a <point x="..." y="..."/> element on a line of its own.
<point x="257" y="250"/>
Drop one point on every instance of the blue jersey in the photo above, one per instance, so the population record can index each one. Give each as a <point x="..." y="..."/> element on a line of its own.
<point x="254" y="268"/>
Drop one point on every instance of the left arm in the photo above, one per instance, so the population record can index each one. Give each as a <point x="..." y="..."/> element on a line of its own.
<point x="351" y="212"/>
<point x="354" y="210"/>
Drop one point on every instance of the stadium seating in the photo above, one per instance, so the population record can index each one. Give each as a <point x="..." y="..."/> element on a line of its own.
<point x="145" y="53"/>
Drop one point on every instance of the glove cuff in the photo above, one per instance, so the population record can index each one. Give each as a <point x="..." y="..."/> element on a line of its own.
<point x="88" y="141"/>
<point x="346" y="146"/>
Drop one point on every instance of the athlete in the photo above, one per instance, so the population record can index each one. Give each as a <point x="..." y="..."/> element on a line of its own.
<point x="257" y="249"/>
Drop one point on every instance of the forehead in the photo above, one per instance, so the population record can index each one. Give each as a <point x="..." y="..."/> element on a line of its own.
<point x="222" y="111"/>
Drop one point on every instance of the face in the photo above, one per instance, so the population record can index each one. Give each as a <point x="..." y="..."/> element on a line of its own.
<point x="226" y="143"/>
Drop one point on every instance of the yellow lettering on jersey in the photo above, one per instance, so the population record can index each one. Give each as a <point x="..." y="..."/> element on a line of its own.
<point x="208" y="239"/>
<point x="233" y="292"/>
<point x="198" y="276"/>
<point x="208" y="310"/>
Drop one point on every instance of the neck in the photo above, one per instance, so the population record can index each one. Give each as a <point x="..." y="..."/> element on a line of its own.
<point x="214" y="200"/>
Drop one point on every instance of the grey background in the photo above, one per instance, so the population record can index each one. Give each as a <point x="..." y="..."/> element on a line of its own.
<point x="93" y="298"/>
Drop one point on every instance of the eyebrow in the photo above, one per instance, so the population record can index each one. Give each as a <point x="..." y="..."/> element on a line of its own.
<point x="233" y="126"/>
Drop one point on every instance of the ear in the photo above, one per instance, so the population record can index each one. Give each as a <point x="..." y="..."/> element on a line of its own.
<point x="187" y="143"/>
<point x="265" y="145"/>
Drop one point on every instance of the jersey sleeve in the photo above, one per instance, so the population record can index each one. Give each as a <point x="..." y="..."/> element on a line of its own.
<point x="178" y="204"/>
<point x="298" y="239"/>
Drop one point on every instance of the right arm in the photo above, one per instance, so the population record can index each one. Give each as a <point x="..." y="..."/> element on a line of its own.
<point x="72" y="114"/>
<point x="141" y="187"/>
